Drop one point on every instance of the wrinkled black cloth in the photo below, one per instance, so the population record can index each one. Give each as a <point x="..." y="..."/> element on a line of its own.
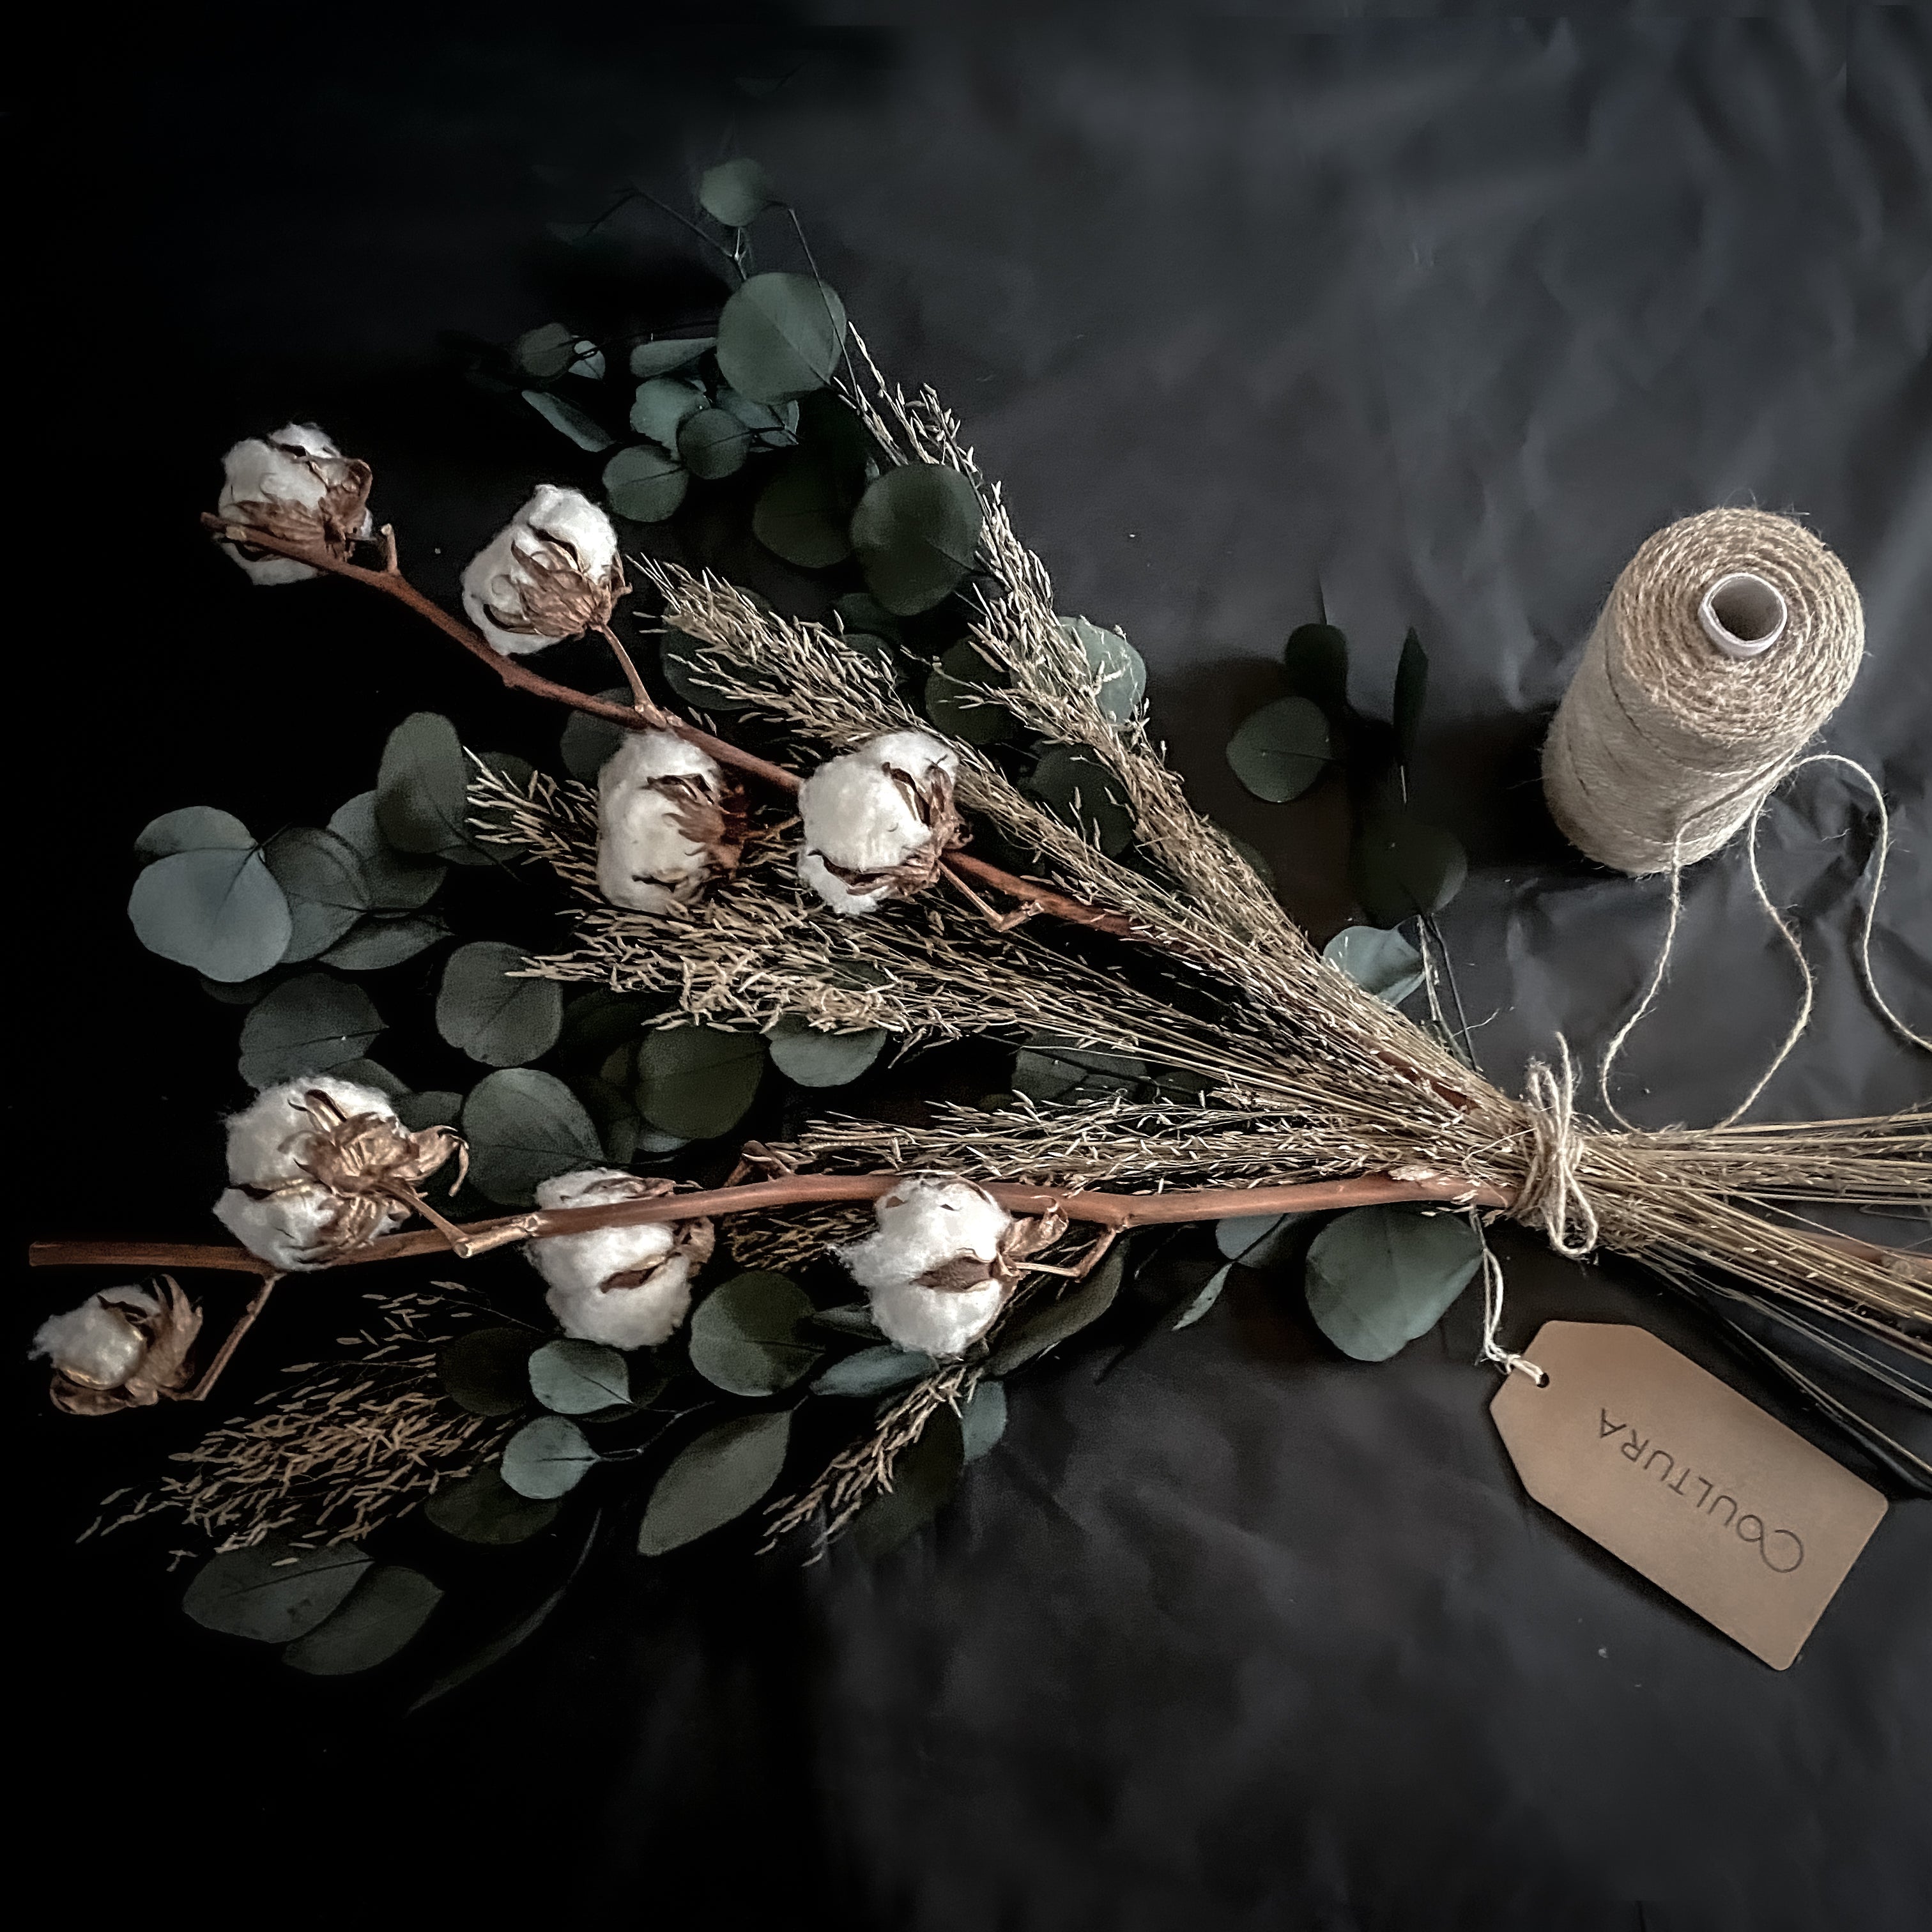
<point x="1400" y="315"/>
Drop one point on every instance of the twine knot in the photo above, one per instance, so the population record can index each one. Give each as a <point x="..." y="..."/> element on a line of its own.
<point x="1552" y="1193"/>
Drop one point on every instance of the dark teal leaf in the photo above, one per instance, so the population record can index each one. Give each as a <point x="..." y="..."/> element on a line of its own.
<point x="397" y="881"/>
<point x="712" y="443"/>
<point x="271" y="1593"/>
<point x="588" y="741"/>
<point x="481" y="1507"/>
<point x="645" y="484"/>
<point x="801" y="514"/>
<point x="376" y="943"/>
<point x="585" y="431"/>
<point x="696" y="1081"/>
<point x="735" y="193"/>
<point x="306" y="1025"/>
<point x="436" y="1108"/>
<point x="371" y="1073"/>
<point x="811" y="1058"/>
<point x="1047" y="1324"/>
<point x="924" y="1477"/>
<point x="1046" y="1069"/>
<point x="545" y="352"/>
<point x="1411" y="692"/>
<point x="714" y="1480"/>
<point x="1279" y="751"/>
<point x="849" y="1317"/>
<point x="524" y="1126"/>
<point x="983" y="1420"/>
<point x="572" y="1378"/>
<point x="1401" y="868"/>
<point x="1120" y="668"/>
<point x="1378" y="960"/>
<point x="1085" y="793"/>
<point x="875" y="1371"/>
<point x="957" y="699"/>
<point x="745" y="1334"/>
<point x="860" y="611"/>
<point x="1378" y="1277"/>
<point x="193" y="828"/>
<point x="916" y="529"/>
<point x="687" y="673"/>
<point x="484" y="1010"/>
<point x="218" y="909"/>
<point x="381" y="1613"/>
<point x="779" y="336"/>
<point x="1258" y="1240"/>
<point x="765" y="420"/>
<point x="320" y="874"/>
<point x="661" y="405"/>
<point x="548" y="1457"/>
<point x="243" y="992"/>
<point x="422" y="791"/>
<point x="1316" y="659"/>
<point x="486" y="1370"/>
<point x="660" y="359"/>
<point x="1210" y="1293"/>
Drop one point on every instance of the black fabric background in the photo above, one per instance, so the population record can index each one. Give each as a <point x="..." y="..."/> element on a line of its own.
<point x="1431" y="315"/>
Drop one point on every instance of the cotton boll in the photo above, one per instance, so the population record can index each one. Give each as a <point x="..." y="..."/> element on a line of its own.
<point x="292" y="1229"/>
<point x="668" y="822"/>
<point x="576" y="1266"/>
<point x="878" y="820"/>
<point x="942" y="1324"/>
<point x="98" y="1344"/>
<point x="269" y="1139"/>
<point x="552" y="572"/>
<point x="934" y="1266"/>
<point x="296" y="485"/>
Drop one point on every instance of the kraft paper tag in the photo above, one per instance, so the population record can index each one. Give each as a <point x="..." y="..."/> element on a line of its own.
<point x="1671" y="1470"/>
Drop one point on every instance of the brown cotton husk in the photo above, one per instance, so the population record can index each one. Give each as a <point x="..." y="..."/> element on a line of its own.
<point x="168" y="1332"/>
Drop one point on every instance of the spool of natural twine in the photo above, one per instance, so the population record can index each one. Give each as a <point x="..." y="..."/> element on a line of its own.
<point x="1728" y="641"/>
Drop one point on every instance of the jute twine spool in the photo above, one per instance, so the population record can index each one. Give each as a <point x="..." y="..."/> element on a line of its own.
<point x="1727" y="642"/>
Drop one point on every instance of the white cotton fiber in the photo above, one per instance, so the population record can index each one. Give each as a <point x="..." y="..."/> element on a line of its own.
<point x="288" y="1229"/>
<point x="575" y="1267"/>
<point x="268" y="1139"/>
<point x="272" y="470"/>
<point x="856" y="816"/>
<point x="94" y="1343"/>
<point x="923" y="1225"/>
<point x="940" y="1323"/>
<point x="646" y="862"/>
<point x="498" y="579"/>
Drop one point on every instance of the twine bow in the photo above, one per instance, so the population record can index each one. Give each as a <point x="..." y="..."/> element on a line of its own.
<point x="1551" y="1194"/>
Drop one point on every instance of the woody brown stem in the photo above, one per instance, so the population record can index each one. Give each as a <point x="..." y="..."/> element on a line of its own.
<point x="244" y="1322"/>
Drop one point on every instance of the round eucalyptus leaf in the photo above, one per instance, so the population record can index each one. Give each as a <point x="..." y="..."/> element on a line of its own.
<point x="1046" y="1069"/>
<point x="1210" y="1293"/>
<point x="745" y="1334"/>
<point x="271" y="1593"/>
<point x="645" y="484"/>
<point x="860" y="611"/>
<point x="381" y="1614"/>
<point x="585" y="431"/>
<point x="957" y="700"/>
<point x="486" y="1370"/>
<point x="916" y="530"/>
<point x="320" y="873"/>
<point x="481" y="1507"/>
<point x="696" y="1081"/>
<point x="422" y="789"/>
<point x="661" y="405"/>
<point x="688" y="674"/>
<point x="1048" y="1324"/>
<point x="587" y="360"/>
<point x="218" y="909"/>
<point x="484" y="1010"/>
<point x="982" y="1421"/>
<point x="548" y="1457"/>
<point x="801" y="1053"/>
<point x="243" y="992"/>
<point x="1316" y="660"/>
<point x="1085" y="793"/>
<point x="1279" y="751"/>
<point x="715" y="1479"/>
<point x="374" y="943"/>
<point x="765" y="420"/>
<point x="1401" y="868"/>
<point x="545" y="351"/>
<point x="1257" y="1240"/>
<point x="524" y="1126"/>
<point x="1378" y="1277"/>
<point x="598" y="1022"/>
<point x="1380" y="961"/>
<point x="1121" y="668"/>
<point x="875" y="1372"/>
<point x="588" y="741"/>
<point x="779" y="336"/>
<point x="309" y="1024"/>
<point x="193" y="828"/>
<point x="372" y="1073"/>
<point x="1412" y="692"/>
<point x="712" y="443"/>
<point x="924" y="1477"/>
<point x="660" y="359"/>
<point x="802" y="515"/>
<point x="849" y="1317"/>
<point x="1256" y="859"/>
<point x="397" y="881"/>
<point x="735" y="193"/>
<point x="436" y="1108"/>
<point x="579" y="1378"/>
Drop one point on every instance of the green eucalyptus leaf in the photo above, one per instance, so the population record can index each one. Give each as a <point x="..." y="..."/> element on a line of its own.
<point x="1401" y="868"/>
<point x="484" y="1010"/>
<point x="193" y="828"/>
<point x="486" y="1370"/>
<point x="957" y="699"/>
<point x="916" y="529"/>
<point x="243" y="992"/>
<point x="422" y="790"/>
<point x="1316" y="660"/>
<point x="587" y="360"/>
<point x="860" y="611"/>
<point x="697" y="1081"/>
<point x="320" y="873"/>
<point x="661" y="405"/>
<point x="548" y="1457"/>
<point x="584" y="430"/>
<point x="983" y="1420"/>
<point x="1048" y="1069"/>
<point x="374" y="943"/>
<point x="802" y="515"/>
<point x="308" y="1024"/>
<point x="1380" y="961"/>
<point x="1258" y="1240"/>
<point x="572" y="1378"/>
<point x="612" y="1113"/>
<point x="849" y="1317"/>
<point x="779" y="336"/>
<point x="380" y="1615"/>
<point x="660" y="359"/>
<point x="1085" y="793"/>
<point x="1411" y="692"/>
<point x="714" y="1479"/>
<point x="745" y="1334"/>
<point x="801" y="1053"/>
<point x="545" y="352"/>
<point x="1047" y="1324"/>
<point x="588" y="741"/>
<point x="645" y="484"/>
<point x="372" y="1073"/>
<point x="397" y="881"/>
<point x="875" y="1372"/>
<point x="596" y="1023"/>
<point x="765" y="420"/>
<point x="218" y="909"/>
<point x="735" y="193"/>
<point x="524" y="1126"/>
<point x="436" y="1108"/>
<point x="682" y="660"/>
<point x="1378" y="1277"/>
<point x="1121" y="668"/>
<point x="271" y="1593"/>
<point x="1279" y="751"/>
<point x="924" y="1477"/>
<point x="713" y="443"/>
<point x="1210" y="1293"/>
<point x="481" y="1507"/>
<point x="1256" y="859"/>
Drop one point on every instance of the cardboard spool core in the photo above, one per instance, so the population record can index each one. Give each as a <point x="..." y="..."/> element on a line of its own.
<point x="1743" y="615"/>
